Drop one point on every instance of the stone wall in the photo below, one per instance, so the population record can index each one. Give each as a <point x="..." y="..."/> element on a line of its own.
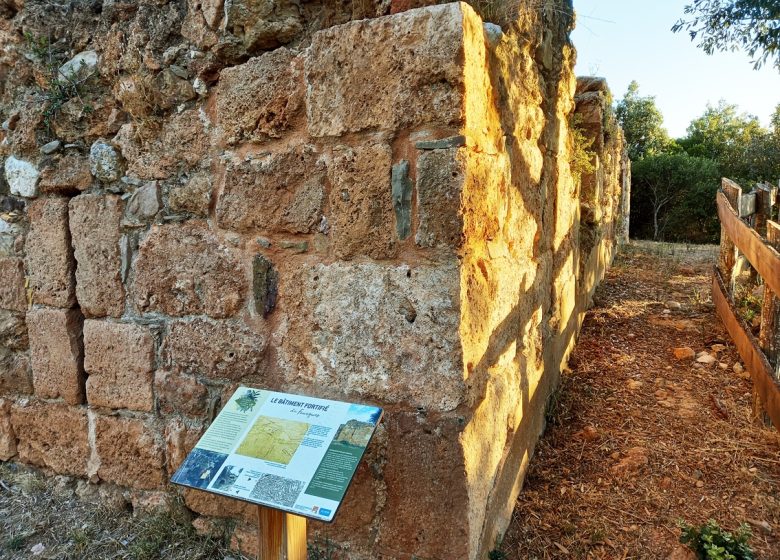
<point x="197" y="195"/>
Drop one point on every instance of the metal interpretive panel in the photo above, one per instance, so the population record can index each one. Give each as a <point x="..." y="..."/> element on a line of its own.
<point x="288" y="452"/>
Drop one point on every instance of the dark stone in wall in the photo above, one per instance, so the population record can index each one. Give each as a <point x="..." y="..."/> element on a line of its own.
<point x="265" y="283"/>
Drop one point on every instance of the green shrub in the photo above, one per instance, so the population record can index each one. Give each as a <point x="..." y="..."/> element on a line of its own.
<point x="710" y="542"/>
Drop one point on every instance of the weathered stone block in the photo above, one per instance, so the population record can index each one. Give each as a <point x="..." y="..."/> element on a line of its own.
<point x="263" y="24"/>
<point x="362" y="337"/>
<point x="180" y="439"/>
<point x="440" y="178"/>
<point x="215" y="506"/>
<point x="361" y="202"/>
<point x="277" y="193"/>
<point x="130" y="452"/>
<point x="55" y="349"/>
<point x="180" y="394"/>
<point x="12" y="292"/>
<point x="53" y="436"/>
<point x="119" y="359"/>
<point x="426" y="480"/>
<point x="193" y="196"/>
<point x="50" y="264"/>
<point x="261" y="98"/>
<point x="15" y="376"/>
<point x="13" y="331"/>
<point x="143" y="205"/>
<point x="66" y="174"/>
<point x="184" y="269"/>
<point x="182" y="142"/>
<point x="215" y="349"/>
<point x="7" y="435"/>
<point x="416" y="59"/>
<point x="94" y="226"/>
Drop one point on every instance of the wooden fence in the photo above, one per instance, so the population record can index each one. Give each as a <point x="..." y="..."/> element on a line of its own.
<point x="749" y="244"/>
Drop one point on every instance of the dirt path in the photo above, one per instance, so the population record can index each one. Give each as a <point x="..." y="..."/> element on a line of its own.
<point x="638" y="439"/>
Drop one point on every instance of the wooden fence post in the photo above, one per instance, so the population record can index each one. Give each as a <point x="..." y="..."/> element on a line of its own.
<point x="766" y="197"/>
<point x="728" y="251"/>
<point x="769" y="337"/>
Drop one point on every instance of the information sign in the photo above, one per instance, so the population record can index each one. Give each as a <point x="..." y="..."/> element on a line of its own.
<point x="288" y="452"/>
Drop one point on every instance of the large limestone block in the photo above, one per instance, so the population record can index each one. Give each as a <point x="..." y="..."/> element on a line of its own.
<point x="217" y="349"/>
<point x="375" y="332"/>
<point x="440" y="178"/>
<point x="261" y="98"/>
<point x="55" y="348"/>
<point x="361" y="202"/>
<point x="94" y="224"/>
<point x="278" y="193"/>
<point x="49" y="260"/>
<point x="180" y="394"/>
<point x="426" y="482"/>
<point x="183" y="269"/>
<point x="12" y="280"/>
<point x="52" y="435"/>
<point x="119" y="359"/>
<point x="130" y="452"/>
<point x="387" y="73"/>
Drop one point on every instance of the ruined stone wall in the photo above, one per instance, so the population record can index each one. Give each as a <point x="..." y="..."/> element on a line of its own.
<point x="271" y="194"/>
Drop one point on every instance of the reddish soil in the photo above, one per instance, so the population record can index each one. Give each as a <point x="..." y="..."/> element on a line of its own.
<point x="638" y="439"/>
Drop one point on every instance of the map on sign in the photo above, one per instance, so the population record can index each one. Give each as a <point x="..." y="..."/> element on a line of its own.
<point x="288" y="452"/>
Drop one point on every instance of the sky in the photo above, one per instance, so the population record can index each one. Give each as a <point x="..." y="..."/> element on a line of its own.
<point x="626" y="40"/>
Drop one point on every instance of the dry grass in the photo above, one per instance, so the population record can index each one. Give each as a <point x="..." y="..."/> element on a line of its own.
<point x="35" y="510"/>
<point x="626" y="396"/>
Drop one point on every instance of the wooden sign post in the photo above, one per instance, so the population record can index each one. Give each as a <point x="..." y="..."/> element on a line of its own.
<point x="293" y="456"/>
<point x="281" y="535"/>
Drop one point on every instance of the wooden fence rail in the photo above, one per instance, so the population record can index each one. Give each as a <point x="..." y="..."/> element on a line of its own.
<point x="749" y="244"/>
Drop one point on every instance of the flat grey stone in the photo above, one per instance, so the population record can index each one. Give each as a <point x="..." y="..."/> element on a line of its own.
<point x="402" y="198"/>
<point x="441" y="144"/>
<point x="51" y="147"/>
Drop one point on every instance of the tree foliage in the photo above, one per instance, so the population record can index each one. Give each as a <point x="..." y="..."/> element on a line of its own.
<point x="642" y="124"/>
<point x="729" y="25"/>
<point x="743" y="149"/>
<point x="673" y="198"/>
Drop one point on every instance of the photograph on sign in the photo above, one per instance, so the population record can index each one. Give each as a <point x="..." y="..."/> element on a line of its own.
<point x="288" y="452"/>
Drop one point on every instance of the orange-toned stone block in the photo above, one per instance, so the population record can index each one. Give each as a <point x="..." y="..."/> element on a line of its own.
<point x="94" y="226"/>
<point x="184" y="269"/>
<point x="180" y="439"/>
<point x="56" y="352"/>
<point x="218" y="349"/>
<point x="119" y="358"/>
<point x="52" y="435"/>
<point x="12" y="281"/>
<point x="49" y="258"/>
<point x="130" y="452"/>
<point x="180" y="393"/>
